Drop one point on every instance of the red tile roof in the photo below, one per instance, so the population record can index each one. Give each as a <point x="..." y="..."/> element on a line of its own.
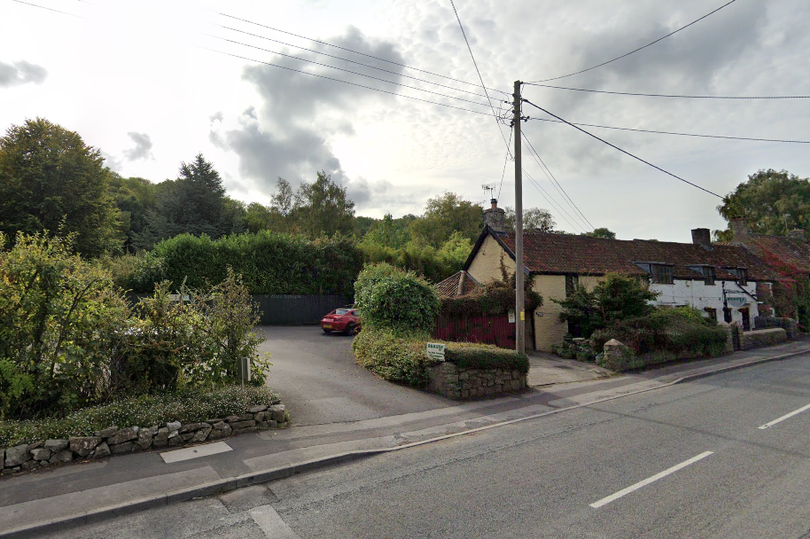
<point x="790" y="251"/>
<point x="564" y="253"/>
<point x="449" y="287"/>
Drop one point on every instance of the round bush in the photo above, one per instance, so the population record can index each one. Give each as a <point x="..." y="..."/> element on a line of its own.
<point x="391" y="298"/>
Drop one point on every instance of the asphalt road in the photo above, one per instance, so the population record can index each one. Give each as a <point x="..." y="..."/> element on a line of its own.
<point x="319" y="381"/>
<point x="722" y="457"/>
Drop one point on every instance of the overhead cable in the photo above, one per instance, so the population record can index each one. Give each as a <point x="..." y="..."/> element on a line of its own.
<point x="348" y="82"/>
<point x="48" y="8"/>
<point x="676" y="133"/>
<point x="356" y="52"/>
<point x="545" y="194"/>
<point x="341" y="58"/>
<point x="298" y="58"/>
<point x="674" y="96"/>
<point x="557" y="185"/>
<point x="623" y="151"/>
<point x="651" y="43"/>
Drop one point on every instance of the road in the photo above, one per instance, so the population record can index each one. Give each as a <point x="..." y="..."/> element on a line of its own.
<point x="320" y="383"/>
<point x="724" y="456"/>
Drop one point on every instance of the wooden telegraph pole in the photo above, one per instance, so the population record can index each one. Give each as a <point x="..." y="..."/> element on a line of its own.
<point x="520" y="317"/>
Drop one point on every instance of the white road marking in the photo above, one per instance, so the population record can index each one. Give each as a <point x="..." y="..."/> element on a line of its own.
<point x="786" y="416"/>
<point x="271" y="523"/>
<point x="656" y="477"/>
<point x="195" y="452"/>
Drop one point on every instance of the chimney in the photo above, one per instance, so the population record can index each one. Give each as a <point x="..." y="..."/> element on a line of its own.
<point x="797" y="234"/>
<point x="495" y="217"/>
<point x="702" y="237"/>
<point x="739" y="227"/>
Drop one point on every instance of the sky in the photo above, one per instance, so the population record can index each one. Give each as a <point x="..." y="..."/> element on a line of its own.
<point x="391" y="105"/>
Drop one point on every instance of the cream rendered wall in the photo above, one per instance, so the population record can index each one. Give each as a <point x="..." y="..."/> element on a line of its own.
<point x="548" y="329"/>
<point x="486" y="266"/>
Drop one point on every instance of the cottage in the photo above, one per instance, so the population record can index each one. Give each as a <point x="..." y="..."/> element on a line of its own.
<point x="725" y="282"/>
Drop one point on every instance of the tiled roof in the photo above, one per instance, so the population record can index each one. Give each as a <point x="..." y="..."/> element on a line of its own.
<point x="788" y="250"/>
<point x="449" y="287"/>
<point x="564" y="253"/>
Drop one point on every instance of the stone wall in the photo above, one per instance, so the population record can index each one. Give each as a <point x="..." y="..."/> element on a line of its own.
<point x="448" y="380"/>
<point x="115" y="441"/>
<point x="762" y="337"/>
<point x="790" y="326"/>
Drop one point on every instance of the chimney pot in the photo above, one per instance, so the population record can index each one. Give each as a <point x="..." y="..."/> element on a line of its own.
<point x="739" y="227"/>
<point x="702" y="237"/>
<point x="495" y="217"/>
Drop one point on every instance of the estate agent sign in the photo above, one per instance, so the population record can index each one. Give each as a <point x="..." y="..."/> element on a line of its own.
<point x="435" y="351"/>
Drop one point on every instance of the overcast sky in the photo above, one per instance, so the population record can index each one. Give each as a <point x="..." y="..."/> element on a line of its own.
<point x="153" y="83"/>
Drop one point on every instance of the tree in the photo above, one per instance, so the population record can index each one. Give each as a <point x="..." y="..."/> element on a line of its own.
<point x="51" y="180"/>
<point x="446" y="214"/>
<point x="601" y="233"/>
<point x="321" y="207"/>
<point x="533" y="219"/>
<point x="617" y="297"/>
<point x="771" y="202"/>
<point x="134" y="197"/>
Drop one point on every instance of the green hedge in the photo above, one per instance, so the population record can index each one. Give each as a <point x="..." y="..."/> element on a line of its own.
<point x="402" y="358"/>
<point x="143" y="411"/>
<point x="270" y="263"/>
<point x="394" y="299"/>
<point x="485" y="357"/>
<point x="394" y="357"/>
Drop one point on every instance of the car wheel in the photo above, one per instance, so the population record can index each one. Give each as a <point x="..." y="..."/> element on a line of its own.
<point x="351" y="329"/>
<point x="327" y="331"/>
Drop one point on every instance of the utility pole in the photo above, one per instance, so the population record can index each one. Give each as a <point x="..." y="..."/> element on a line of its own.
<point x="520" y="317"/>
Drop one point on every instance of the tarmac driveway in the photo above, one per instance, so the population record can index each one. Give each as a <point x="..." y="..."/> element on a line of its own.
<point x="319" y="381"/>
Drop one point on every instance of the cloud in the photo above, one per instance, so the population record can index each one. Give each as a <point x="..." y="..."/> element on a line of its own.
<point x="21" y="72"/>
<point x="288" y="134"/>
<point x="112" y="162"/>
<point x="142" y="149"/>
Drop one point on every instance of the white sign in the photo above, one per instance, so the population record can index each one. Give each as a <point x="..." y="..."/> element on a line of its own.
<point x="436" y="351"/>
<point x="511" y="317"/>
<point x="736" y="301"/>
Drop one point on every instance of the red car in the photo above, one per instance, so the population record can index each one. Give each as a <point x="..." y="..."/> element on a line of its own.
<point x="346" y="320"/>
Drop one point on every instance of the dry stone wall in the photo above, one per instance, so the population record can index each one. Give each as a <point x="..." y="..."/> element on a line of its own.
<point x="116" y="441"/>
<point x="455" y="383"/>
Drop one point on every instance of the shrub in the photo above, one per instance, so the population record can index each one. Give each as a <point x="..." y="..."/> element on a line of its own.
<point x="394" y="357"/>
<point x="618" y="297"/>
<point x="397" y="300"/>
<point x="143" y="411"/>
<point x="485" y="357"/>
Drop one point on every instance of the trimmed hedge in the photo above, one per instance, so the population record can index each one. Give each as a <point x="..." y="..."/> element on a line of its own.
<point x="485" y="357"/>
<point x="402" y="358"/>
<point x="189" y="407"/>
<point x="270" y="263"/>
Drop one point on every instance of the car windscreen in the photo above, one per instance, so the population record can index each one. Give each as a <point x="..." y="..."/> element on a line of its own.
<point x="342" y="311"/>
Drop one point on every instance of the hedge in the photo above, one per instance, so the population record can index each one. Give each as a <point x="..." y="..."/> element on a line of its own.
<point x="269" y="262"/>
<point x="485" y="357"/>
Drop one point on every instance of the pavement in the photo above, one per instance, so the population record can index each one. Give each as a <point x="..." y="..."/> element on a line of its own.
<point x="33" y="503"/>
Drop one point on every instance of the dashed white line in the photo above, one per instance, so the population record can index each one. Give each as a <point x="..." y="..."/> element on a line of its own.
<point x="644" y="483"/>
<point x="786" y="416"/>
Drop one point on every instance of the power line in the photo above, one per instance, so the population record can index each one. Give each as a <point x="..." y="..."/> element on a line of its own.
<point x="557" y="185"/>
<point x="48" y="8"/>
<point x="480" y="78"/>
<point x="623" y="151"/>
<point x="674" y="96"/>
<point x="356" y="52"/>
<point x="657" y="132"/>
<point x="625" y="55"/>
<point x="298" y="58"/>
<point x="347" y="82"/>
<point x="370" y="66"/>
<point x="505" y="161"/>
<point x="545" y="194"/>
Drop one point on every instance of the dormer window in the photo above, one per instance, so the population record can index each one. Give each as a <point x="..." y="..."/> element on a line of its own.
<point x="740" y="275"/>
<point x="659" y="273"/>
<point x="708" y="272"/>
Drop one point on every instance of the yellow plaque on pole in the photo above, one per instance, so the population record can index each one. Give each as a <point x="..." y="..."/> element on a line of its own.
<point x="522" y="316"/>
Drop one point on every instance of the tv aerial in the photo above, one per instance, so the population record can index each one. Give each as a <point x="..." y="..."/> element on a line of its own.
<point x="491" y="188"/>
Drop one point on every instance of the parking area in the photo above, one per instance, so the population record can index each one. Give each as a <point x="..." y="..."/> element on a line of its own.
<point x="320" y="383"/>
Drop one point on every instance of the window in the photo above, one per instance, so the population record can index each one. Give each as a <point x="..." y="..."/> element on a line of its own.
<point x="742" y="276"/>
<point x="711" y="312"/>
<point x="571" y="283"/>
<point x="661" y="274"/>
<point x="708" y="275"/>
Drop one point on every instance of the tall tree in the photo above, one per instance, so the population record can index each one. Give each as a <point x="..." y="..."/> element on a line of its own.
<point x="601" y="233"/>
<point x="51" y="180"/>
<point x="772" y="202"/>
<point x="134" y="197"/>
<point x="533" y="219"/>
<point x="322" y="207"/>
<point x="445" y="214"/>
